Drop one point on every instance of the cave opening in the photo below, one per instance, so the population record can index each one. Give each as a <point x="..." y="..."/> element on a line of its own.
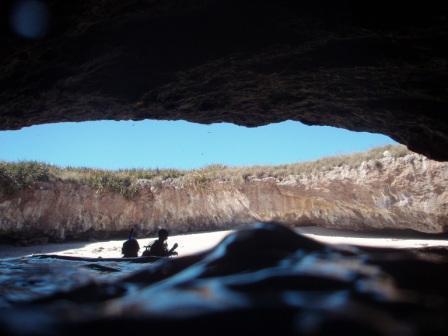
<point x="98" y="180"/>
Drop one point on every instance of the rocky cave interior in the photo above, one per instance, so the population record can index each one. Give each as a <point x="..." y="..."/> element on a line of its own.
<point x="373" y="66"/>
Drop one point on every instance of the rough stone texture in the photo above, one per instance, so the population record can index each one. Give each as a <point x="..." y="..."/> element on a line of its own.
<point x="375" y="66"/>
<point x="407" y="192"/>
<point x="260" y="281"/>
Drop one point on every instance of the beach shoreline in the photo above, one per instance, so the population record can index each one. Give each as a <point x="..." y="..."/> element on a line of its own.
<point x="196" y="242"/>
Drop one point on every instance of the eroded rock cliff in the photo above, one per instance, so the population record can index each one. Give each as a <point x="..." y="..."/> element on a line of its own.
<point x="407" y="192"/>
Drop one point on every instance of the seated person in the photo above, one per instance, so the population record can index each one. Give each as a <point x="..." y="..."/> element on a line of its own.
<point x="160" y="248"/>
<point x="130" y="247"/>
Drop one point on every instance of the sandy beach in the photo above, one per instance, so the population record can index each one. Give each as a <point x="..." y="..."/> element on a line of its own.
<point x="192" y="243"/>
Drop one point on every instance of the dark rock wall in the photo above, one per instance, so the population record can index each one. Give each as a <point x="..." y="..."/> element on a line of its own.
<point x="371" y="66"/>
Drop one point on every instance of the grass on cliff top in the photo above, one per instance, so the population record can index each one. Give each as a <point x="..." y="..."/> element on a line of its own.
<point x="21" y="175"/>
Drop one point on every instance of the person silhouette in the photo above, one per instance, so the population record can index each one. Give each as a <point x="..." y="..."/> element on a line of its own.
<point x="160" y="247"/>
<point x="130" y="247"/>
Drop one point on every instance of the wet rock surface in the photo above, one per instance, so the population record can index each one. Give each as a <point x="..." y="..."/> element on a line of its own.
<point x="378" y="67"/>
<point x="258" y="280"/>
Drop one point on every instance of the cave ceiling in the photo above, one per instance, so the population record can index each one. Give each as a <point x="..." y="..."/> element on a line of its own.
<point x="362" y="65"/>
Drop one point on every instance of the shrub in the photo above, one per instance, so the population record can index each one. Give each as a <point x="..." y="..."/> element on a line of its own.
<point x="21" y="175"/>
<point x="17" y="176"/>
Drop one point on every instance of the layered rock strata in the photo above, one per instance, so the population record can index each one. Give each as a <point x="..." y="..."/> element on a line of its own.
<point x="407" y="192"/>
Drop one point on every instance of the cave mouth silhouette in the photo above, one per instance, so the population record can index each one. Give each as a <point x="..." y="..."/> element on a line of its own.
<point x="379" y="67"/>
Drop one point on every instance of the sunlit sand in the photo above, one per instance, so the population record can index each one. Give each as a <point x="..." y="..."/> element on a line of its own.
<point x="192" y="243"/>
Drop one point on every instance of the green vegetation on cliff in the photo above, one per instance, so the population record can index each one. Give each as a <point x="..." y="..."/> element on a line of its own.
<point x="21" y="175"/>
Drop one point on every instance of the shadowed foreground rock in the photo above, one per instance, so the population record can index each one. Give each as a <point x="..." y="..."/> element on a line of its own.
<point x="257" y="280"/>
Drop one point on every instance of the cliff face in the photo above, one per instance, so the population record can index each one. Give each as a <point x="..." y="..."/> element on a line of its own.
<point x="408" y="192"/>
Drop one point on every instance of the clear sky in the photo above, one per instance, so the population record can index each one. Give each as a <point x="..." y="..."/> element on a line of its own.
<point x="178" y="144"/>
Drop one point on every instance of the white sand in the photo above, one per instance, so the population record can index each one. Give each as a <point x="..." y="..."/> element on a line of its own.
<point x="369" y="239"/>
<point x="188" y="244"/>
<point x="192" y="243"/>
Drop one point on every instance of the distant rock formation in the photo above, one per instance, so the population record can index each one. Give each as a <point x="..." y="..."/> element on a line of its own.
<point x="407" y="192"/>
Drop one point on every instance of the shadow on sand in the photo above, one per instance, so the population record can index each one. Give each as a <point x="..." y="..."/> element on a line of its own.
<point x="12" y="251"/>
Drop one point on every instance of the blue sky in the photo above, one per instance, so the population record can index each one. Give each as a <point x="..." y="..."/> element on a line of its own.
<point x="178" y="144"/>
